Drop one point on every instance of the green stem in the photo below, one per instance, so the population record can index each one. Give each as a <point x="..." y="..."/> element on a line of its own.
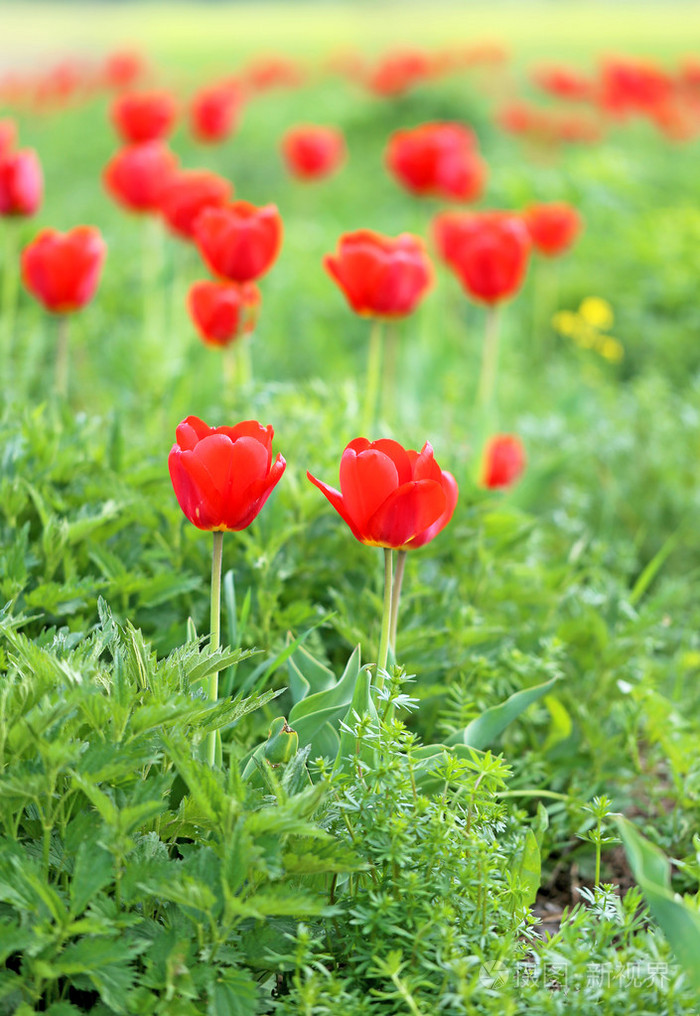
<point x="489" y="362"/>
<point x="245" y="360"/>
<point x="374" y="370"/>
<point x="388" y="398"/>
<point x="10" y="288"/>
<point x="151" y="272"/>
<point x="386" y="617"/>
<point x="61" y="375"/>
<point x="395" y="597"/>
<point x="215" y="630"/>
<point x="545" y="298"/>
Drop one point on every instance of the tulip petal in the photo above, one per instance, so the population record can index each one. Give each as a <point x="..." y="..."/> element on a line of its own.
<point x="195" y="489"/>
<point x="336" y="499"/>
<point x="366" y="481"/>
<point x="405" y="513"/>
<point x="190" y="431"/>
<point x="247" y="463"/>
<point x="399" y="456"/>
<point x="449" y="486"/>
<point x="425" y="467"/>
<point x="259" y="492"/>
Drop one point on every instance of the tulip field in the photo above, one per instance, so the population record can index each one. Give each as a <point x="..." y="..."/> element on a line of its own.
<point x="349" y="443"/>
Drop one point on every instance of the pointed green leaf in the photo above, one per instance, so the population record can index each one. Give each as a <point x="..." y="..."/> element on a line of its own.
<point x="484" y="730"/>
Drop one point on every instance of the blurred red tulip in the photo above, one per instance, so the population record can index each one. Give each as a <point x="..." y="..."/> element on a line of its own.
<point x="144" y="116"/>
<point x="390" y="496"/>
<point x="21" y="183"/>
<point x="397" y="72"/>
<point x="380" y="276"/>
<point x="552" y="227"/>
<point x="564" y="82"/>
<point x="239" y="242"/>
<point x="437" y="160"/>
<point x="222" y="476"/>
<point x="312" y="152"/>
<point x="214" y="112"/>
<point x="629" y="86"/>
<point x="123" y="68"/>
<point x="8" y="136"/>
<point x="266" y="72"/>
<point x="222" y="311"/>
<point x="504" y="461"/>
<point x="137" y="176"/>
<point x="487" y="251"/>
<point x="62" y="270"/>
<point x="187" y="194"/>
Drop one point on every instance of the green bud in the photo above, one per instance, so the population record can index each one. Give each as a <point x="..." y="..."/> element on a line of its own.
<point x="282" y="742"/>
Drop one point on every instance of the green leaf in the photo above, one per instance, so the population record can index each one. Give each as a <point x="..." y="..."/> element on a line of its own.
<point x="92" y="871"/>
<point x="530" y="868"/>
<point x="484" y="730"/>
<point x="679" y="921"/>
<point x="234" y="993"/>
<point x="306" y="674"/>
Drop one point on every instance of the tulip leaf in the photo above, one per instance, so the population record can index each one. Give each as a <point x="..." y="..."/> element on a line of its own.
<point x="339" y="696"/>
<point x="679" y="920"/>
<point x="307" y="674"/>
<point x="362" y="705"/>
<point x="483" y="730"/>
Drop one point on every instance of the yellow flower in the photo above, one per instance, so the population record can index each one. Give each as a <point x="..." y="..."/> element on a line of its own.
<point x="597" y="312"/>
<point x="565" y="322"/>
<point x="611" y="349"/>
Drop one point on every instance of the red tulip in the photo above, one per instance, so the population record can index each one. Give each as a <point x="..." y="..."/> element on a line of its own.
<point x="390" y="496"/>
<point x="8" y="136"/>
<point x="187" y="194"/>
<point x="267" y="72"/>
<point x="552" y="228"/>
<point x="488" y="251"/>
<point x="144" y="116"/>
<point x="564" y="82"/>
<point x="504" y="461"/>
<point x="123" y="68"/>
<point x="222" y="476"/>
<point x="214" y="111"/>
<point x="379" y="275"/>
<point x="239" y="242"/>
<point x="438" y="160"/>
<point x="312" y="153"/>
<point x="397" y="72"/>
<point x="21" y="183"/>
<point x="222" y="311"/>
<point x="62" y="270"/>
<point x="137" y="176"/>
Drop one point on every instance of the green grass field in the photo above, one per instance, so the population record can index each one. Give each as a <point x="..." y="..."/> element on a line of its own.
<point x="397" y="876"/>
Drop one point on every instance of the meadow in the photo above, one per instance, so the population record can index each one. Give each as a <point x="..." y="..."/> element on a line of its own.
<point x="504" y="819"/>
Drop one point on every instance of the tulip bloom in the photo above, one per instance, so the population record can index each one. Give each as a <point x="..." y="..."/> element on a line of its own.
<point x="222" y="476"/>
<point x="21" y="183"/>
<point x="437" y="160"/>
<point x="213" y="113"/>
<point x="553" y="227"/>
<point x="312" y="153"/>
<point x="504" y="461"/>
<point x="239" y="242"/>
<point x="187" y="194"/>
<point x="389" y="496"/>
<point x="487" y="251"/>
<point x="380" y="276"/>
<point x="222" y="311"/>
<point x="394" y="498"/>
<point x="137" y="176"/>
<point x="144" y="116"/>
<point x="62" y="270"/>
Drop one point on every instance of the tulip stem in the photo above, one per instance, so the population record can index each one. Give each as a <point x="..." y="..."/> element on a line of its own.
<point x="151" y="277"/>
<point x="545" y="294"/>
<point x="388" y="400"/>
<point x="395" y="597"/>
<point x="61" y="376"/>
<point x="489" y="362"/>
<point x="10" y="286"/>
<point x="374" y="369"/>
<point x="215" y="630"/>
<point x="386" y="617"/>
<point x="245" y="361"/>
